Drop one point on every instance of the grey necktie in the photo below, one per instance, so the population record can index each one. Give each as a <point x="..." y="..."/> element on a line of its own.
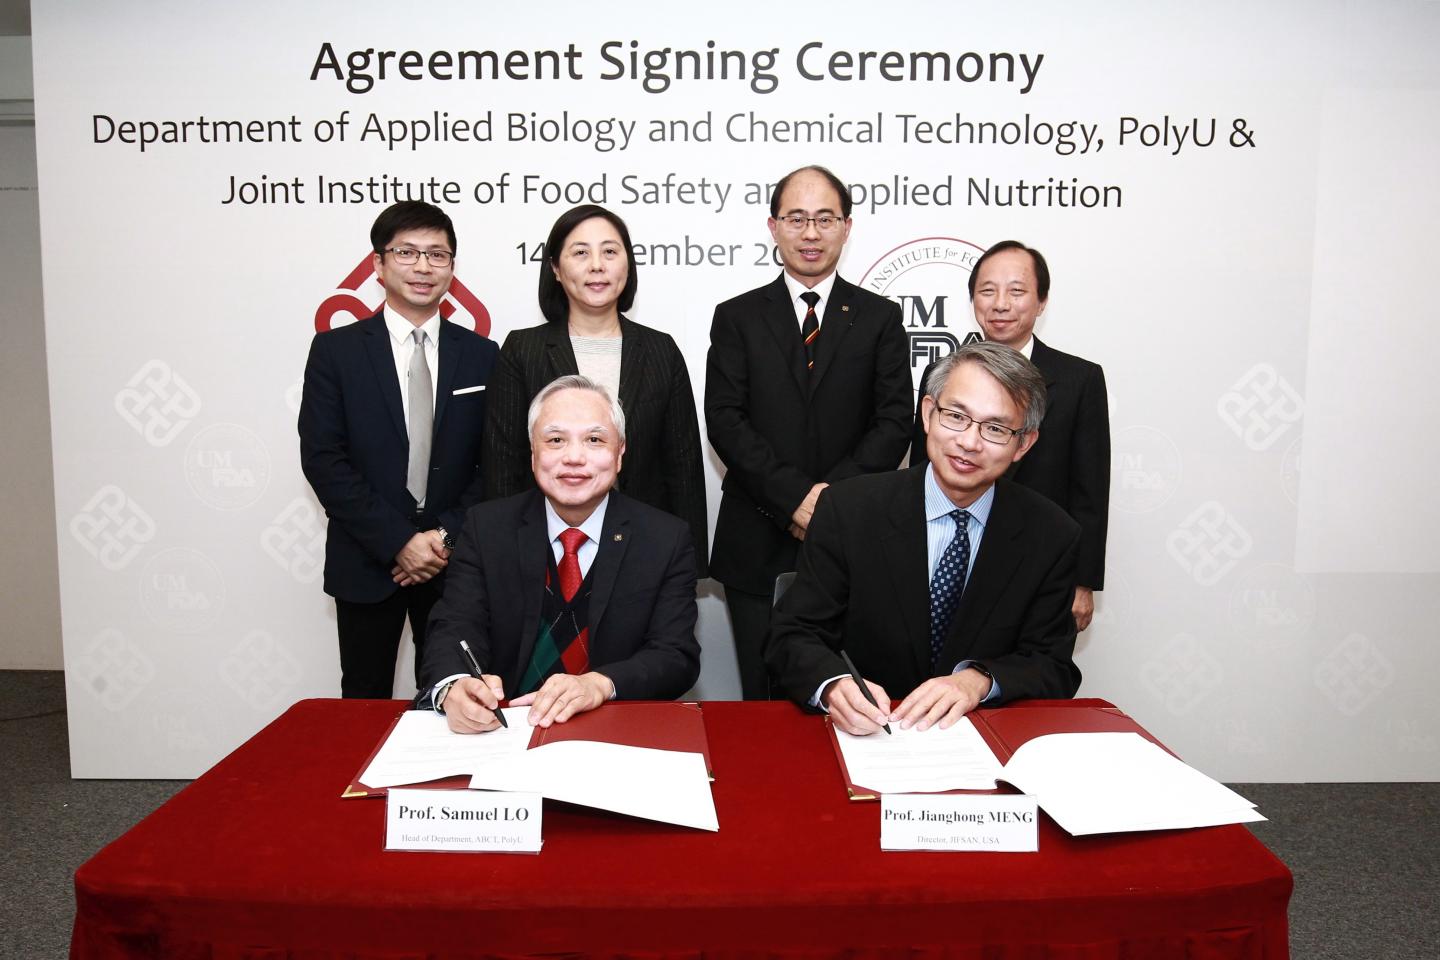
<point x="422" y="406"/>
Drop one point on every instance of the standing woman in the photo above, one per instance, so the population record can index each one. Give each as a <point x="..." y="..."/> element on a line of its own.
<point x="587" y="278"/>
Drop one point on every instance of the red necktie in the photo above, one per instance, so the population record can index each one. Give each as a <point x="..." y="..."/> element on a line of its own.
<point x="569" y="567"/>
<point x="576" y="656"/>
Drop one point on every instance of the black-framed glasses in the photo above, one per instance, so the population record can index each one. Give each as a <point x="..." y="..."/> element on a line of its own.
<point x="991" y="431"/>
<point x="409" y="255"/>
<point x="825" y="223"/>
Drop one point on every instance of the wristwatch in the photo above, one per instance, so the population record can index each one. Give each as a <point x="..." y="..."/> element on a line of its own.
<point x="447" y="540"/>
<point x="440" y="697"/>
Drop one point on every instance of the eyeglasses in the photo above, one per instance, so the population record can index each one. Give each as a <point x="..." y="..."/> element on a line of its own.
<point x="407" y="256"/>
<point x="795" y="223"/>
<point x="996" y="433"/>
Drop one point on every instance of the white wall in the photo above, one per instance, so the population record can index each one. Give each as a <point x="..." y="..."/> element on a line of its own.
<point x="1214" y="293"/>
<point x="29" y="581"/>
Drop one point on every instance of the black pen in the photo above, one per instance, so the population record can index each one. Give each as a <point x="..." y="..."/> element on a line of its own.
<point x="475" y="672"/>
<point x="864" y="687"/>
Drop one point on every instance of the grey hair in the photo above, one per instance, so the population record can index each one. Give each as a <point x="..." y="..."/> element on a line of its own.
<point x="1017" y="376"/>
<point x="575" y="381"/>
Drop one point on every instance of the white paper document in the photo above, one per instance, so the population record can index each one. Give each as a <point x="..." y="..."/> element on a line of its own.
<point x="1118" y="782"/>
<point x="663" y="785"/>
<point x="422" y="748"/>
<point x="914" y="761"/>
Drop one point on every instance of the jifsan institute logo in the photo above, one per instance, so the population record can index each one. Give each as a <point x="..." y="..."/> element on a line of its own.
<point x="349" y="303"/>
<point x="929" y="278"/>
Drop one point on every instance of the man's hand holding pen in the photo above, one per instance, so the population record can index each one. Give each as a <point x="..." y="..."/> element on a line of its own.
<point x="471" y="705"/>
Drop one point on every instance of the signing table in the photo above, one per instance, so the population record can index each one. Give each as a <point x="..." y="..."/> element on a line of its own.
<point x="261" y="858"/>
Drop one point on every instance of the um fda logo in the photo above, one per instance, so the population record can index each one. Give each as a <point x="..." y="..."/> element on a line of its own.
<point x="227" y="466"/>
<point x="929" y="278"/>
<point x="1146" y="469"/>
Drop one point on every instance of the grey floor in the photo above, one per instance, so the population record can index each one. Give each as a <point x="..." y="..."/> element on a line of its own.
<point x="1364" y="856"/>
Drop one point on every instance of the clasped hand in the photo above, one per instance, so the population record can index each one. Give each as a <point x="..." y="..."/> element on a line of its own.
<point x="423" y="556"/>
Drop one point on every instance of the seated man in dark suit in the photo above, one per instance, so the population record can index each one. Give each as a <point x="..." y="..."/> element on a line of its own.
<point x="569" y="595"/>
<point x="946" y="584"/>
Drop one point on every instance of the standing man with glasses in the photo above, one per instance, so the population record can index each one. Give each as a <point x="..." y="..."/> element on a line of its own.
<point x="947" y="584"/>
<point x="390" y="428"/>
<point x="807" y="383"/>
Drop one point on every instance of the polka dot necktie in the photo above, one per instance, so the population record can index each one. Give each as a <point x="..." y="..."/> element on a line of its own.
<point x="947" y="584"/>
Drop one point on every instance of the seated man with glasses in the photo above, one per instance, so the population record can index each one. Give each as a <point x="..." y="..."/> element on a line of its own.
<point x="946" y="584"/>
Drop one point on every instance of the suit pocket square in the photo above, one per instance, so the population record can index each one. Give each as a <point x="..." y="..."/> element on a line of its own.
<point x="465" y="390"/>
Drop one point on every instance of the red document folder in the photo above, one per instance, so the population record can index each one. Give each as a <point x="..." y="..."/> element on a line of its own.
<point x="357" y="788"/>
<point x="1007" y="728"/>
<point x="661" y="725"/>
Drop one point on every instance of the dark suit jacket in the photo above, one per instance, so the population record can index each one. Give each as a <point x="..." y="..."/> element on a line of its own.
<point x="642" y="604"/>
<point x="863" y="584"/>
<point x="662" y="436"/>
<point x="354" y="448"/>
<point x="780" y="431"/>
<point x="1070" y="462"/>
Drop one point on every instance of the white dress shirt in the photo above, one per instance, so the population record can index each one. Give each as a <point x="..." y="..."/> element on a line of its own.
<point x="402" y="345"/>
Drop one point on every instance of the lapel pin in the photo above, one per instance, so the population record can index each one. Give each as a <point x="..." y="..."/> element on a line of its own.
<point x="619" y="537"/>
<point x="845" y="308"/>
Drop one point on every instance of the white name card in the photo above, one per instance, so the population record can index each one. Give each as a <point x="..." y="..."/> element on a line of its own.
<point x="957" y="821"/>
<point x="462" y="820"/>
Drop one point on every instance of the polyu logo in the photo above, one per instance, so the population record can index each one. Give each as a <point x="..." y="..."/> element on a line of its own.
<point x="347" y="304"/>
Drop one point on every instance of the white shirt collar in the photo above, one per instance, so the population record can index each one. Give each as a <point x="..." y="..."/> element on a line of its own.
<point x="400" y="328"/>
<point x="593" y="526"/>
<point x="796" y="287"/>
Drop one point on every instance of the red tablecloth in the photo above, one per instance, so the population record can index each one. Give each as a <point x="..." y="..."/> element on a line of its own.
<point x="260" y="858"/>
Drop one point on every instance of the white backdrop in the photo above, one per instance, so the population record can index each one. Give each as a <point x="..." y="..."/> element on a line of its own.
<point x="1243" y="288"/>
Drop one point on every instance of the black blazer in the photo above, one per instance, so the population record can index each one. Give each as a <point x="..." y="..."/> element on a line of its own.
<point x="863" y="585"/>
<point x="662" y="464"/>
<point x="780" y="431"/>
<point x="1070" y="462"/>
<point x="354" y="447"/>
<point x="642" y="605"/>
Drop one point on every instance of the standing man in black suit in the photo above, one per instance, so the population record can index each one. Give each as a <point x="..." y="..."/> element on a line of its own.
<point x="947" y="584"/>
<point x="568" y="595"/>
<point x="807" y="383"/>
<point x="390" y="425"/>
<point x="1070" y="464"/>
